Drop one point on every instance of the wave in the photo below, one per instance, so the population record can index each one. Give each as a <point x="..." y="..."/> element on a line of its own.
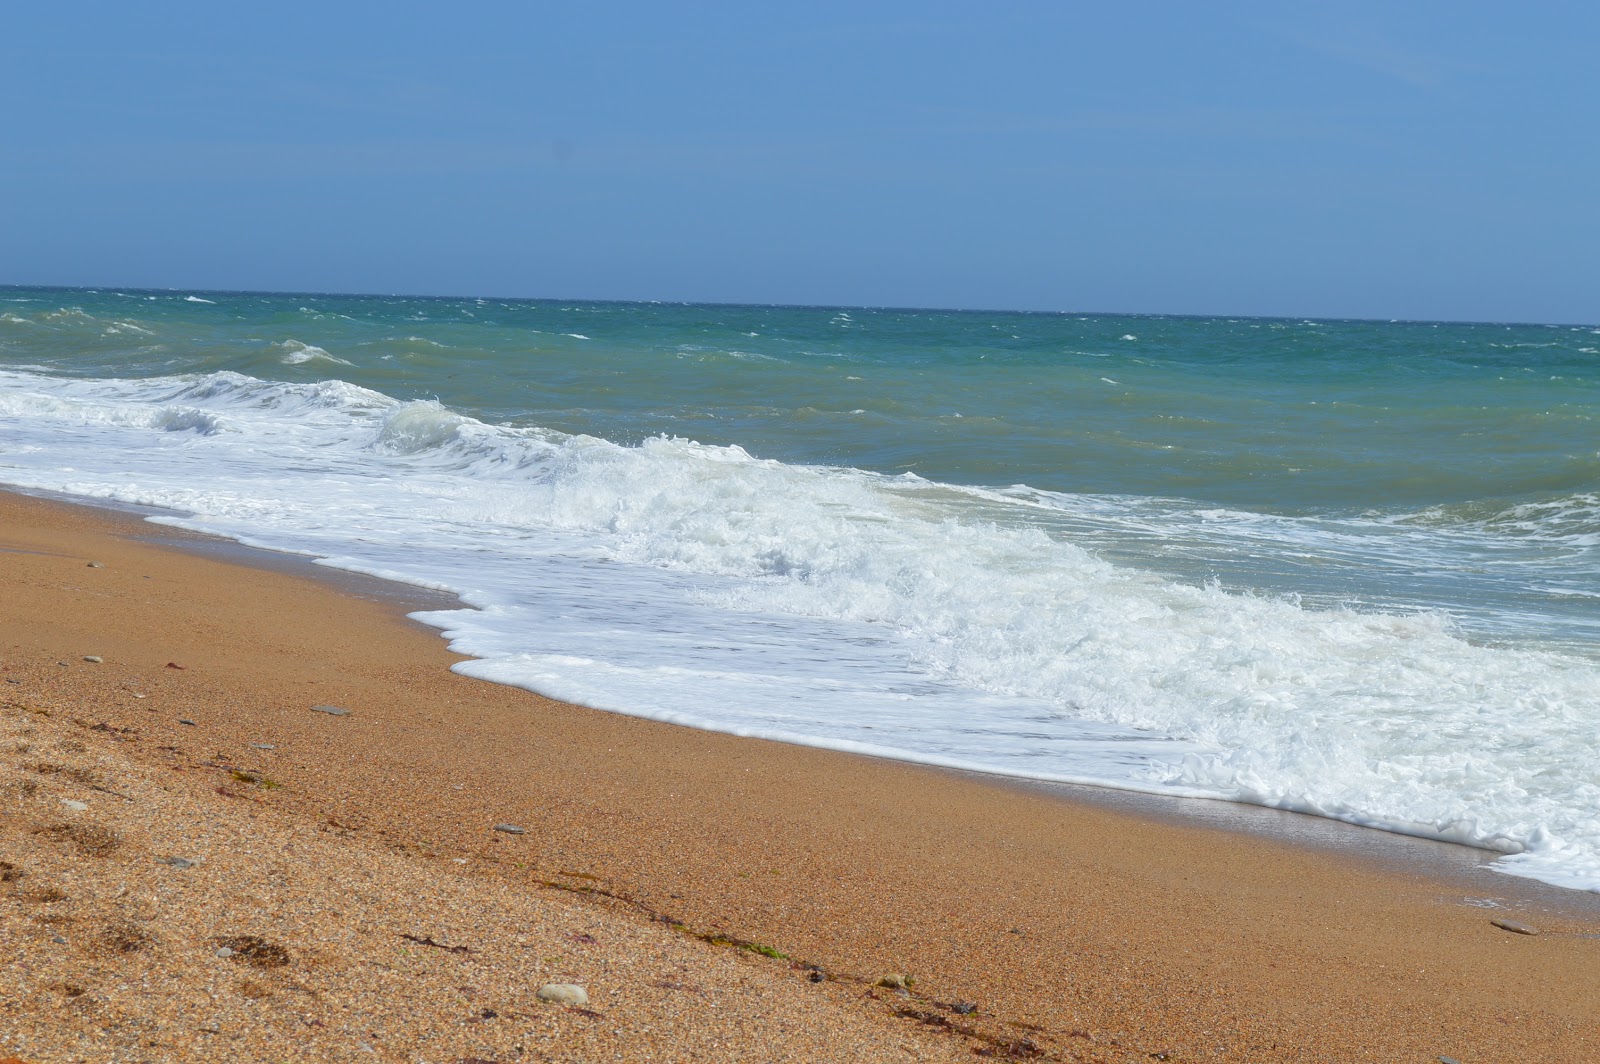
<point x="984" y="627"/>
<point x="295" y="353"/>
<point x="1572" y="518"/>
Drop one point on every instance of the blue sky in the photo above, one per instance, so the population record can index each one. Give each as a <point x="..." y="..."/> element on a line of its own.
<point x="1422" y="160"/>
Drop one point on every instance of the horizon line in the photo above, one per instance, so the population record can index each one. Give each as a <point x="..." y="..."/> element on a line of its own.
<point x="788" y="306"/>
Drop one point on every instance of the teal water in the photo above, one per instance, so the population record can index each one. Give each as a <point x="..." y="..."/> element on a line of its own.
<point x="1273" y="415"/>
<point x="1349" y="567"/>
<point x="1435" y="426"/>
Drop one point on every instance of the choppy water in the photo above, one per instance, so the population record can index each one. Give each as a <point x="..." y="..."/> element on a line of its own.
<point x="1351" y="568"/>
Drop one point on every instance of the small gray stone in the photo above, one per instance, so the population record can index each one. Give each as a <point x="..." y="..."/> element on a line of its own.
<point x="510" y="829"/>
<point x="176" y="862"/>
<point x="332" y="711"/>
<point x="10" y="680"/>
<point x="58" y="940"/>
<point x="263" y="746"/>
<point x="186" y="720"/>
<point x="224" y="952"/>
<point x="1514" y="927"/>
<point x="93" y="659"/>
<point x="96" y="565"/>
<point x="1448" y="1060"/>
<point x="563" y="994"/>
<point x="75" y="806"/>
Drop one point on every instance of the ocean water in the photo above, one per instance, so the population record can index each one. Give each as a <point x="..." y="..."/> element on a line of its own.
<point x="1348" y="568"/>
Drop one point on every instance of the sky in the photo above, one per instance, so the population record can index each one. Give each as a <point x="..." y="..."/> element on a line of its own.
<point x="1378" y="160"/>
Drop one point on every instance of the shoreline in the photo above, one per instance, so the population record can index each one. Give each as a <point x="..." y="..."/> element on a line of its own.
<point x="1463" y="865"/>
<point x="1060" y="914"/>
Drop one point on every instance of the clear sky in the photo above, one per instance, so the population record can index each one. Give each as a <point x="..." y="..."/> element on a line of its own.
<point x="1419" y="160"/>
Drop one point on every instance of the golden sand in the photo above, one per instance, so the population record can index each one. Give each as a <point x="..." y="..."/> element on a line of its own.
<point x="719" y="898"/>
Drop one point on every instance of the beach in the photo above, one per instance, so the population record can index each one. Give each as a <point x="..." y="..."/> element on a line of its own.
<point x="718" y="897"/>
<point x="935" y="533"/>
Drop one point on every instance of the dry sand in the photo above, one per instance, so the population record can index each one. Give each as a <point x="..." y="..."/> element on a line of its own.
<point x="655" y="862"/>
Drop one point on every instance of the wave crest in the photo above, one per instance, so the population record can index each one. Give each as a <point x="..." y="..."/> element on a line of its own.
<point x="295" y="353"/>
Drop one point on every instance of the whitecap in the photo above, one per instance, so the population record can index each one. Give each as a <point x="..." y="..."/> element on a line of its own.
<point x="296" y="353"/>
<point x="187" y="419"/>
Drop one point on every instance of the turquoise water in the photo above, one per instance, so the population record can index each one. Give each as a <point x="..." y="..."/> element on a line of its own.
<point x="1274" y="415"/>
<point x="1348" y="567"/>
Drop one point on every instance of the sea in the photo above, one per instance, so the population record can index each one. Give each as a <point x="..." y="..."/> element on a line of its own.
<point x="1348" y="568"/>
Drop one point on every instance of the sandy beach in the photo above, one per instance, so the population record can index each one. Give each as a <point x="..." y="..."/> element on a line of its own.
<point x="200" y="864"/>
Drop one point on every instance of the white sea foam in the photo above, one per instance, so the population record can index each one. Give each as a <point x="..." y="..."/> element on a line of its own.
<point x="68" y="316"/>
<point x="197" y="299"/>
<point x="891" y="615"/>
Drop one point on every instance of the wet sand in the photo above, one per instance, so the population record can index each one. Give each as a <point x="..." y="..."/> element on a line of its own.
<point x="1083" y="925"/>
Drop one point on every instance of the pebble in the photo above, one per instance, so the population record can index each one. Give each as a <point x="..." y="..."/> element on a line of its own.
<point x="93" y="659"/>
<point x="563" y="994"/>
<point x="894" y="981"/>
<point x="211" y="1028"/>
<point x="96" y="565"/>
<point x="10" y="680"/>
<point x="224" y="952"/>
<point x="186" y="720"/>
<point x="510" y="829"/>
<point x="332" y="711"/>
<point x="263" y="746"/>
<point x="58" y="940"/>
<point x="1514" y="927"/>
<point x="176" y="862"/>
<point x="74" y="805"/>
<point x="1448" y="1060"/>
